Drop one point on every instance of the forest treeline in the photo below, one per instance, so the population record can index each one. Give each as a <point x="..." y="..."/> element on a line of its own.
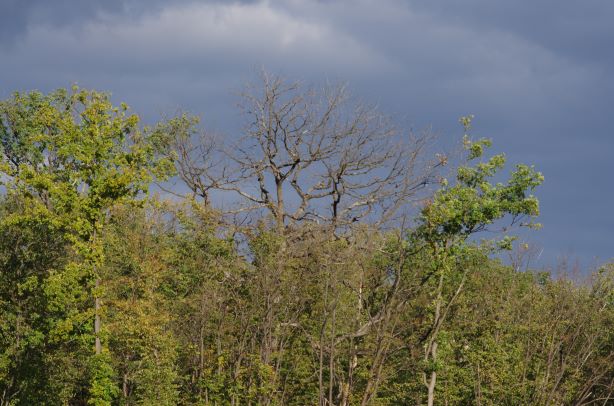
<point x="322" y="257"/>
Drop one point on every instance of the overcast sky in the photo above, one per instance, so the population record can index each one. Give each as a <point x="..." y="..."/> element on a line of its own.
<point x="537" y="74"/>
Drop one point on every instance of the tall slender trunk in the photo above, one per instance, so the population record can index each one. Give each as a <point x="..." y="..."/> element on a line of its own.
<point x="125" y="392"/>
<point x="353" y="358"/>
<point x="430" y="353"/>
<point x="331" y="363"/>
<point x="433" y="380"/>
<point x="441" y="312"/>
<point x="97" y="303"/>
<point x="97" y="306"/>
<point x="279" y="212"/>
<point x="321" y="393"/>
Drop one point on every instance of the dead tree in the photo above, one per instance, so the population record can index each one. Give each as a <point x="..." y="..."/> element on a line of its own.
<point x="317" y="155"/>
<point x="196" y="156"/>
<point x="306" y="155"/>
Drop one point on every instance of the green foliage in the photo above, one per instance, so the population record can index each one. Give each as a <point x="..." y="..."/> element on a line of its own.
<point x="474" y="202"/>
<point x="197" y="309"/>
<point x="102" y="387"/>
<point x="68" y="157"/>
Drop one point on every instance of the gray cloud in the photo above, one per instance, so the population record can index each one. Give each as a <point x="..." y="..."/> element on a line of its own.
<point x="535" y="73"/>
<point x="579" y="31"/>
<point x="17" y="16"/>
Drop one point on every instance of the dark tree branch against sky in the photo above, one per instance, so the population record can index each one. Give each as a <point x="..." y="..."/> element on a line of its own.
<point x="537" y="75"/>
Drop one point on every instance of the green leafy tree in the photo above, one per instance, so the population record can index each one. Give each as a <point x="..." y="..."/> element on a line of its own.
<point x="70" y="156"/>
<point x="456" y="213"/>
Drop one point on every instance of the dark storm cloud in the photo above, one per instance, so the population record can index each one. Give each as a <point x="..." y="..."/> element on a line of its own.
<point x="535" y="73"/>
<point x="17" y="16"/>
<point x="580" y="31"/>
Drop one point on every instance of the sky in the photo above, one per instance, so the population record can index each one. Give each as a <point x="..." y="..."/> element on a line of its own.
<point x="537" y="75"/>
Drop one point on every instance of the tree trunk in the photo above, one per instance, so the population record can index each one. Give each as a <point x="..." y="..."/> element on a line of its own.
<point x="433" y="380"/>
<point x="280" y="205"/>
<point x="97" y="307"/>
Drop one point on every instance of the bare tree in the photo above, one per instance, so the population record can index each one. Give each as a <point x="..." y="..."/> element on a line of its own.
<point x="320" y="156"/>
<point x="196" y="155"/>
<point x="307" y="155"/>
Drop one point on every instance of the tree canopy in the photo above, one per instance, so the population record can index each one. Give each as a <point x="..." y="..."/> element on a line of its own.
<point x="319" y="258"/>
